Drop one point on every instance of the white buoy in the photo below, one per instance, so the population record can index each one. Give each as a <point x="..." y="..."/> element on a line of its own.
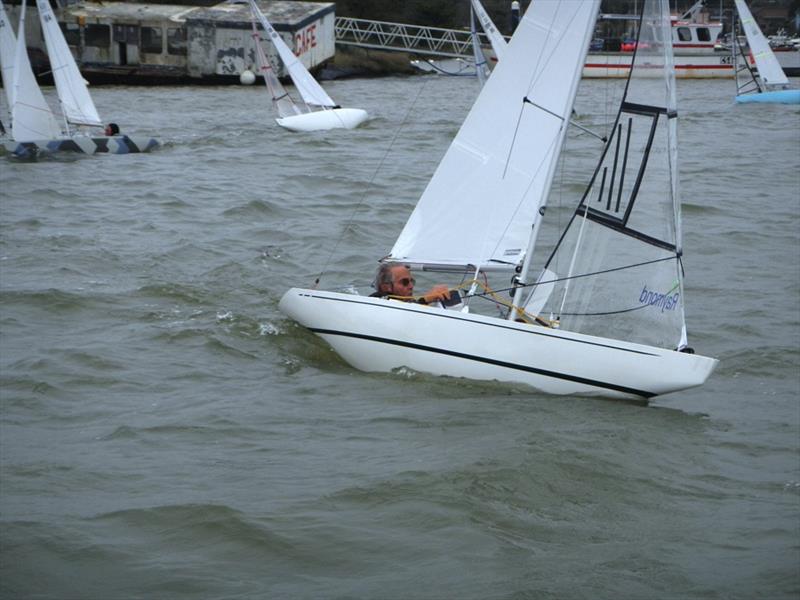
<point x="247" y="77"/>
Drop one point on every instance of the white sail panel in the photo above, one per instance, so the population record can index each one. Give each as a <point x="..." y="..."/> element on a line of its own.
<point x="306" y="85"/>
<point x="769" y="69"/>
<point x="480" y="204"/>
<point x="76" y="102"/>
<point x="496" y="39"/>
<point x="31" y="117"/>
<point x="8" y="45"/>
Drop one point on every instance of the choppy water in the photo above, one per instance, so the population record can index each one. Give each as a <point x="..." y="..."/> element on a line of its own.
<point x="166" y="433"/>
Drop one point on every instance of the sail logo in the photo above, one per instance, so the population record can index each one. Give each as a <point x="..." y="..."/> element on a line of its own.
<point x="663" y="301"/>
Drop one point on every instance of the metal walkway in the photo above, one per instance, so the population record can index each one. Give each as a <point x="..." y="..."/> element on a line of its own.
<point x="414" y="39"/>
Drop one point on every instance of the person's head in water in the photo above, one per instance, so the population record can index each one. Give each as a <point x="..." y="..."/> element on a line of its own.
<point x="112" y="129"/>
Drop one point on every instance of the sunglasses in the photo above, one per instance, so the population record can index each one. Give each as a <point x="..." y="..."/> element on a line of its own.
<point x="406" y="281"/>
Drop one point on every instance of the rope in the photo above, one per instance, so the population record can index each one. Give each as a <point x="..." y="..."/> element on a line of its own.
<point x="369" y="185"/>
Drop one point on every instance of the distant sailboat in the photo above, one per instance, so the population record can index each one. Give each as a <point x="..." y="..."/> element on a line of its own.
<point x="319" y="111"/>
<point x="605" y="315"/>
<point x="480" y="64"/>
<point x="770" y="83"/>
<point x="34" y="127"/>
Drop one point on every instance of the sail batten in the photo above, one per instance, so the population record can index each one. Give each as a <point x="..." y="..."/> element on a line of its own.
<point x="485" y="195"/>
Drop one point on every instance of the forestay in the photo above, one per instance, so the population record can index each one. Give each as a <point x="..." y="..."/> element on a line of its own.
<point x="76" y="102"/>
<point x="306" y="85"/>
<point x="769" y="69"/>
<point x="618" y="264"/>
<point x="479" y="206"/>
<point x="31" y="117"/>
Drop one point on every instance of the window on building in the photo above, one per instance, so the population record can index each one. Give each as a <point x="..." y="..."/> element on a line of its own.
<point x="684" y="34"/>
<point x="97" y="36"/>
<point x="703" y="34"/>
<point x="151" y="40"/>
<point x="72" y="33"/>
<point x="176" y="42"/>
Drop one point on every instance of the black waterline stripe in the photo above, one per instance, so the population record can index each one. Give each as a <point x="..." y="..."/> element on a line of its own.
<point x="499" y="363"/>
<point x="533" y="330"/>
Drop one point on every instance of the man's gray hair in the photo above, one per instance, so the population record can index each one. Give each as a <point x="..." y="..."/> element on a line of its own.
<point x="384" y="274"/>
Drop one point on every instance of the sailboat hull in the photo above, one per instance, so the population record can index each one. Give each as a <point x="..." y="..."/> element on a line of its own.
<point x="379" y="335"/>
<point x="774" y="97"/>
<point x="122" y="144"/>
<point x="336" y="118"/>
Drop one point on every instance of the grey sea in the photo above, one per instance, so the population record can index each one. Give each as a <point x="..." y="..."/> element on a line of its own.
<point x="165" y="432"/>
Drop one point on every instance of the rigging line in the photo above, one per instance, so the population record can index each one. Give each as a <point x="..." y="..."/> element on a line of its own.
<point x="369" y="185"/>
<point x="603" y="272"/>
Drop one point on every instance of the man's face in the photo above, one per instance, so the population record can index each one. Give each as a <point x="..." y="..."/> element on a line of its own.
<point x="402" y="282"/>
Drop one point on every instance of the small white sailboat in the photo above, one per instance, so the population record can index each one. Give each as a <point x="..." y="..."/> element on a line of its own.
<point x="611" y="292"/>
<point x="480" y="64"/>
<point x="34" y="126"/>
<point x="319" y="111"/>
<point x="770" y="84"/>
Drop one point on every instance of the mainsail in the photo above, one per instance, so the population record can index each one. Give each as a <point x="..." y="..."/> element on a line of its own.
<point x="769" y="69"/>
<point x="479" y="206"/>
<point x="616" y="270"/>
<point x="8" y="45"/>
<point x="31" y="117"/>
<point x="75" y="100"/>
<point x="306" y="85"/>
<point x="284" y="104"/>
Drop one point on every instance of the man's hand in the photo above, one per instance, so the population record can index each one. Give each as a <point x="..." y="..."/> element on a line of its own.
<point x="437" y="292"/>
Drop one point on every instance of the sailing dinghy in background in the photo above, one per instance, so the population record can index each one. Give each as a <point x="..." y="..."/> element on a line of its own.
<point x="611" y="292"/>
<point x="319" y="111"/>
<point x="770" y="83"/>
<point x="34" y="127"/>
<point x="480" y="65"/>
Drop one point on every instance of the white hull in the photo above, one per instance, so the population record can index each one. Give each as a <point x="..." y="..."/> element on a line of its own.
<point x="381" y="335"/>
<point x="336" y="118"/>
<point x="82" y="144"/>
<point x="613" y="65"/>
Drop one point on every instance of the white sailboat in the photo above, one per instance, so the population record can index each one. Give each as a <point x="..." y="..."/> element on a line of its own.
<point x="770" y="83"/>
<point x="611" y="292"/>
<point x="34" y="127"/>
<point x="480" y="64"/>
<point x="319" y="111"/>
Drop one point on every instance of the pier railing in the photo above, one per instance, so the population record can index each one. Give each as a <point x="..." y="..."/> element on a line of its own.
<point x="414" y="39"/>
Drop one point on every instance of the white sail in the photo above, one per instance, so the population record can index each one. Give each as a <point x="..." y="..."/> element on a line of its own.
<point x="8" y="45"/>
<point x="496" y="39"/>
<point x="480" y="204"/>
<point x="283" y="103"/>
<point x="76" y="102"/>
<point x="617" y="269"/>
<point x="31" y="117"/>
<point x="306" y="85"/>
<point x="769" y="70"/>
